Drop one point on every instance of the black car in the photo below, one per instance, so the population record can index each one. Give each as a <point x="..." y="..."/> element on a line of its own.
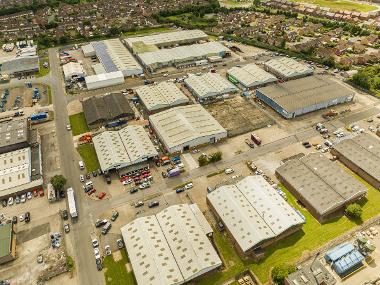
<point x="100" y="223"/>
<point x="4" y="203"/>
<point x="99" y="264"/>
<point x="133" y="190"/>
<point x="94" y="173"/>
<point x="64" y="215"/>
<point x="14" y="220"/>
<point x="153" y="204"/>
<point x="27" y="217"/>
<point x="120" y="244"/>
<point x="88" y="175"/>
<point x="100" y="172"/>
<point x="62" y="194"/>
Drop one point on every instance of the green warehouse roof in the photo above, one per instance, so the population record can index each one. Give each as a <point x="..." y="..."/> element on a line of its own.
<point x="5" y="239"/>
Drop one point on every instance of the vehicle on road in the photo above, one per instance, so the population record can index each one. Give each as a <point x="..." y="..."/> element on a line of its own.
<point x="229" y="170"/>
<point x="72" y="204"/>
<point x="153" y="204"/>
<point x="139" y="204"/>
<point x="64" y="215"/>
<point x="66" y="228"/>
<point x="115" y="214"/>
<point x="120" y="243"/>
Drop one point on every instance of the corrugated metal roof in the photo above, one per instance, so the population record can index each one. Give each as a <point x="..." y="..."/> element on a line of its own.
<point x="288" y="67"/>
<point x="251" y="75"/>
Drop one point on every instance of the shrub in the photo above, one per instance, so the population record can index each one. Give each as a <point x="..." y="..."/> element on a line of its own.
<point x="354" y="211"/>
<point x="280" y="272"/>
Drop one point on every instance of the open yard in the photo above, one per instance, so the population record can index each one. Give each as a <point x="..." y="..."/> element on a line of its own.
<point x="78" y="124"/>
<point x="116" y="271"/>
<point x="341" y="5"/>
<point x="88" y="154"/>
<point x="292" y="248"/>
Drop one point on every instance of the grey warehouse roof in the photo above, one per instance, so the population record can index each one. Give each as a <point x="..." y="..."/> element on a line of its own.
<point x="322" y="183"/>
<point x="253" y="211"/>
<point x="161" y="95"/>
<point x="297" y="94"/>
<point x="363" y="151"/>
<point x="20" y="64"/>
<point x="209" y="85"/>
<point x="128" y="146"/>
<point x="287" y="67"/>
<point x="181" y="124"/>
<point x="169" y="247"/>
<point x="13" y="132"/>
<point x="313" y="273"/>
<point x="100" y="109"/>
<point x="251" y="75"/>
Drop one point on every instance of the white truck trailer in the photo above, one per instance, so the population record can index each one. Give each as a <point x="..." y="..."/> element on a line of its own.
<point x="71" y="200"/>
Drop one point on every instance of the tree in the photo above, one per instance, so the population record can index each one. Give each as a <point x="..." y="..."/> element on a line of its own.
<point x="280" y="272"/>
<point x="202" y="160"/>
<point x="216" y="156"/>
<point x="354" y="211"/>
<point x="58" y="181"/>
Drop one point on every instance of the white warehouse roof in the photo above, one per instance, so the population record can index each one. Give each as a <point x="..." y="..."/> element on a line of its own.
<point x="183" y="124"/>
<point x="209" y="85"/>
<point x="117" y="75"/>
<point x="182" y="53"/>
<point x="168" y="38"/>
<point x="287" y="67"/>
<point x="253" y="211"/>
<point x="251" y="75"/>
<point x="128" y="146"/>
<point x="169" y="247"/>
<point x="72" y="69"/>
<point x="161" y="95"/>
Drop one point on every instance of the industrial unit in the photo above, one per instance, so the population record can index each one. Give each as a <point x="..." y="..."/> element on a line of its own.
<point x="171" y="247"/>
<point x="313" y="273"/>
<point x="20" y="65"/>
<point x="301" y="96"/>
<point x="361" y="154"/>
<point x="184" y="127"/>
<point x="208" y="86"/>
<point x="321" y="185"/>
<point x="20" y="158"/>
<point x="161" y="40"/>
<point x="250" y="76"/>
<point x="114" y="56"/>
<point x="119" y="149"/>
<point x="254" y="214"/>
<point x="104" y="80"/>
<point x="105" y="109"/>
<point x="181" y="56"/>
<point x="161" y="96"/>
<point x="7" y="242"/>
<point x="73" y="69"/>
<point x="287" y="68"/>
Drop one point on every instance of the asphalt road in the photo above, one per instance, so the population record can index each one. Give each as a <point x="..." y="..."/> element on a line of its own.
<point x="81" y="230"/>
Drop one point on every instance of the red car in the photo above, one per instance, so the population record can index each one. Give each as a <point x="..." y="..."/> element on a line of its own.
<point x="146" y="175"/>
<point x="41" y="192"/>
<point x="124" y="178"/>
<point x="101" y="195"/>
<point x="92" y="191"/>
<point x="35" y="193"/>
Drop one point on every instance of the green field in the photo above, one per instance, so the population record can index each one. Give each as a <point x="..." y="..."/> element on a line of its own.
<point x="88" y="154"/>
<point x="116" y="272"/>
<point x="290" y="249"/>
<point x="340" y="5"/>
<point x="78" y="124"/>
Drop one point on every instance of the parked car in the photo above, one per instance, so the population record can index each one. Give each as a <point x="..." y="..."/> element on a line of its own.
<point x="144" y="185"/>
<point x="101" y="195"/>
<point x="179" y="190"/>
<point x="115" y="214"/>
<point x="107" y="250"/>
<point x="120" y="243"/>
<point x="153" y="204"/>
<point x="4" y="202"/>
<point x="64" y="215"/>
<point x="133" y="190"/>
<point x="99" y="265"/>
<point x="14" y="219"/>
<point x="22" y="218"/>
<point x="27" y="217"/>
<point x="127" y="181"/>
<point x="35" y="193"/>
<point x="94" y="242"/>
<point x="100" y="172"/>
<point x="68" y="127"/>
<point x="17" y="200"/>
<point x="189" y="185"/>
<point x="106" y="228"/>
<point x="23" y="198"/>
<point x="81" y="178"/>
<point x="29" y="195"/>
<point x="229" y="170"/>
<point x="100" y="223"/>
<point x="139" y="204"/>
<point x="88" y="176"/>
<point x="66" y="228"/>
<point x="41" y="192"/>
<point x="94" y="174"/>
<point x="10" y="201"/>
<point x="91" y="191"/>
<point x="97" y="253"/>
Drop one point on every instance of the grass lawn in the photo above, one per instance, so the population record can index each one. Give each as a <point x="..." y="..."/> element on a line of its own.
<point x="115" y="273"/>
<point x="78" y="124"/>
<point x="88" y="154"/>
<point x="340" y="5"/>
<point x="43" y="71"/>
<point x="290" y="249"/>
<point x="50" y="100"/>
<point x="144" y="31"/>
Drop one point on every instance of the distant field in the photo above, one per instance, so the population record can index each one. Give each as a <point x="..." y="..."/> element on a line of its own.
<point x="341" y="5"/>
<point x="234" y="3"/>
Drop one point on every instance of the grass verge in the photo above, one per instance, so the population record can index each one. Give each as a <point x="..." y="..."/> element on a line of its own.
<point x="78" y="124"/>
<point x="48" y="90"/>
<point x="312" y="236"/>
<point x="215" y="173"/>
<point x="88" y="154"/>
<point x="116" y="272"/>
<point x="43" y="70"/>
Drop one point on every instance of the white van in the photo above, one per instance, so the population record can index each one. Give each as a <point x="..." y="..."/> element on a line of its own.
<point x="81" y="164"/>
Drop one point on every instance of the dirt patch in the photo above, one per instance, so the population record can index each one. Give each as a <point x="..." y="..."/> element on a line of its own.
<point x="117" y="256"/>
<point x="238" y="116"/>
<point x="32" y="233"/>
<point x="129" y="267"/>
<point x="74" y="107"/>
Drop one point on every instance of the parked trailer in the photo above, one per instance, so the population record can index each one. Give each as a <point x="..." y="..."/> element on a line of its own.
<point x="38" y="116"/>
<point x="255" y="139"/>
<point x="71" y="201"/>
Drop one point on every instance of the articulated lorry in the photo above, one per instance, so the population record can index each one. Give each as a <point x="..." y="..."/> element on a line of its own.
<point x="72" y="205"/>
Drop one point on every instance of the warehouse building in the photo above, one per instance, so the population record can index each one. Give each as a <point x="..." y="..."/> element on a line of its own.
<point x="209" y="86"/>
<point x="287" y="68"/>
<point x="104" y="109"/>
<point x="185" y="127"/>
<point x="104" y="80"/>
<point x="314" y="273"/>
<point x="181" y="56"/>
<point x="361" y="154"/>
<point x="320" y="185"/>
<point x="254" y="214"/>
<point x="14" y="135"/>
<point x="114" y="56"/>
<point x="119" y="149"/>
<point x="161" y="96"/>
<point x="20" y="66"/>
<point x="301" y="96"/>
<point x="170" y="247"/>
<point x="164" y="40"/>
<point x="72" y="70"/>
<point x="250" y="76"/>
<point x="7" y="243"/>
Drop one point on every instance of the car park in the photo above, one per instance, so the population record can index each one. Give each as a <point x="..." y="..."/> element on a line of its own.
<point x="27" y="217"/>
<point x="153" y="204"/>
<point x="64" y="214"/>
<point x="115" y="214"/>
<point x="120" y="243"/>
<point x="66" y="228"/>
<point x="133" y="190"/>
